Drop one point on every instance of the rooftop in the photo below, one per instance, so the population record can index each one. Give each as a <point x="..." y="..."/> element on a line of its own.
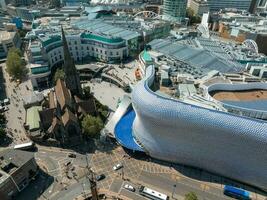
<point x="33" y="117"/>
<point x="4" y="35"/>
<point x="99" y="26"/>
<point x="11" y="159"/>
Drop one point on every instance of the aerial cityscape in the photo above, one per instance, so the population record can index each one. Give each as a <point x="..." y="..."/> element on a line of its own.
<point x="133" y="99"/>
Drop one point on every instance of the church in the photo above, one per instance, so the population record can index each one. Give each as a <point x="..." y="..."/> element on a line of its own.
<point x="60" y="120"/>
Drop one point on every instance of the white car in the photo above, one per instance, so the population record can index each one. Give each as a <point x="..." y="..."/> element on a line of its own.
<point x="129" y="187"/>
<point x="118" y="166"/>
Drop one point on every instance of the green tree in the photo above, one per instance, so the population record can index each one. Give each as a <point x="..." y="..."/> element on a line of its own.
<point x="22" y="33"/>
<point x="2" y="119"/>
<point x="16" y="66"/>
<point x="191" y="196"/>
<point x="193" y="19"/>
<point x="2" y="133"/>
<point x="60" y="74"/>
<point x="87" y="92"/>
<point x="92" y="125"/>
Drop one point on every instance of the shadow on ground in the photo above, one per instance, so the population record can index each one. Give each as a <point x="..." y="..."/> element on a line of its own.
<point x="6" y="141"/>
<point x="36" y="187"/>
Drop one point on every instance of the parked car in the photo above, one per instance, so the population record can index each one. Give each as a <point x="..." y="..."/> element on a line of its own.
<point x="6" y="101"/>
<point x="118" y="166"/>
<point x="100" y="177"/>
<point x="129" y="187"/>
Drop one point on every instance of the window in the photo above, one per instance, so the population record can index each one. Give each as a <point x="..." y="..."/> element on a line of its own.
<point x="106" y="52"/>
<point x="92" y="48"/>
<point x="76" y="48"/>
<point x="111" y="53"/>
<point x="117" y="53"/>
<point x="100" y="51"/>
<point x="70" y="48"/>
<point x="60" y="57"/>
<point x="87" y="48"/>
<point x="96" y="50"/>
<point x="75" y="42"/>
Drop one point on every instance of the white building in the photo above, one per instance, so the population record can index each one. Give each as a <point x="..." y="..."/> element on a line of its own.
<point x="7" y="41"/>
<point x="46" y="52"/>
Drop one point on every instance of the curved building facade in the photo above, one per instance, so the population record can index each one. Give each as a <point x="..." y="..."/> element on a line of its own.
<point x="174" y="9"/>
<point x="220" y="142"/>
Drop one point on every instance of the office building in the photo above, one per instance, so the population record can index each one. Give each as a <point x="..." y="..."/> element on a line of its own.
<point x="17" y="169"/>
<point x="217" y="5"/>
<point x="199" y="7"/>
<point x="174" y="10"/>
<point x="7" y="41"/>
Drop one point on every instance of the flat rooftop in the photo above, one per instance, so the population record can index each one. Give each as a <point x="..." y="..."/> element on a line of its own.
<point x="4" y="35"/>
<point x="245" y="95"/>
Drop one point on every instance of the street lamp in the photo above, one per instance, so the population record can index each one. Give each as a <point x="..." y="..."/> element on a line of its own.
<point x="173" y="190"/>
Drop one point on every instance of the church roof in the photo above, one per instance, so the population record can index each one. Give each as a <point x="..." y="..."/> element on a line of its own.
<point x="51" y="97"/>
<point x="67" y="116"/>
<point x="62" y="94"/>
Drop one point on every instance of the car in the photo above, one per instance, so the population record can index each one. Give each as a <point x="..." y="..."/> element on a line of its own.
<point x="72" y="155"/>
<point x="129" y="187"/>
<point x="100" y="177"/>
<point x="6" y="101"/>
<point x="118" y="166"/>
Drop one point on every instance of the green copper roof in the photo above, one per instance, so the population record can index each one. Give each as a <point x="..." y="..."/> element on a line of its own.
<point x="101" y="38"/>
<point x="48" y="40"/>
<point x="146" y="56"/>
<point x="33" y="117"/>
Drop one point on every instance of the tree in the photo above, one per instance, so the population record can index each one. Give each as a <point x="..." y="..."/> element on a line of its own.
<point x="16" y="66"/>
<point x="2" y="133"/>
<point x="92" y="125"/>
<point x="87" y="92"/>
<point x="193" y="19"/>
<point x="2" y="119"/>
<point x="60" y="74"/>
<point x="191" y="196"/>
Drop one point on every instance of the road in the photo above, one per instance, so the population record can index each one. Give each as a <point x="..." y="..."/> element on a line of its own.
<point x="182" y="186"/>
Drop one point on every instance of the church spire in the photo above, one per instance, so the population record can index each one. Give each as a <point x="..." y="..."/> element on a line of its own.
<point x="72" y="78"/>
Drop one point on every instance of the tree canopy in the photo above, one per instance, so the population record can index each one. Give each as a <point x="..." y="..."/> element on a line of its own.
<point x="16" y="66"/>
<point x="2" y="133"/>
<point x="92" y="125"/>
<point x="60" y="74"/>
<point x="193" y="19"/>
<point x="87" y="92"/>
<point x="191" y="196"/>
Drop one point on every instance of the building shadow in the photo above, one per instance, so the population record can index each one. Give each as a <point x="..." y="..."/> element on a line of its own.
<point x="37" y="188"/>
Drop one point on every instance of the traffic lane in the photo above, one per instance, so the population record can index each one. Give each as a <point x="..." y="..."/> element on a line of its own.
<point x="163" y="184"/>
<point x="72" y="191"/>
<point x="132" y="195"/>
<point x="116" y="185"/>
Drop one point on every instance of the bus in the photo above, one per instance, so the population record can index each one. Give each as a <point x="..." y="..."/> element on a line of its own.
<point x="152" y="194"/>
<point x="25" y="146"/>
<point x="236" y="193"/>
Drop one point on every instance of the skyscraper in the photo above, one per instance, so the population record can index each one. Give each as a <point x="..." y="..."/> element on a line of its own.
<point x="174" y="10"/>
<point x="216" y="5"/>
<point x="72" y="78"/>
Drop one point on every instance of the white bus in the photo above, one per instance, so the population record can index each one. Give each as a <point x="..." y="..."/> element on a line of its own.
<point x="25" y="146"/>
<point x="152" y="194"/>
